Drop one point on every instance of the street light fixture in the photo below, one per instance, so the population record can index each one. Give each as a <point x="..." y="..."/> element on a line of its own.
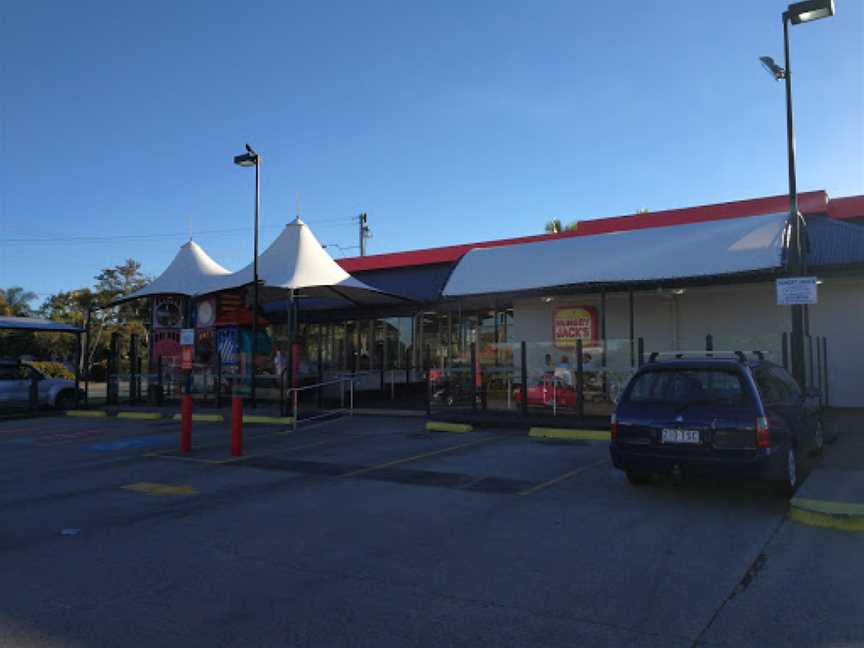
<point x="773" y="69"/>
<point x="796" y="13"/>
<point x="801" y="12"/>
<point x="249" y="159"/>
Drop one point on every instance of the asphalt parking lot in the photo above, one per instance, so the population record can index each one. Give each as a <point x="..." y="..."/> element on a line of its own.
<point x="370" y="531"/>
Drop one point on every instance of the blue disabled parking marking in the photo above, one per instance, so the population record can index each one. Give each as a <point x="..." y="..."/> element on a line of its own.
<point x="129" y="444"/>
<point x="18" y="441"/>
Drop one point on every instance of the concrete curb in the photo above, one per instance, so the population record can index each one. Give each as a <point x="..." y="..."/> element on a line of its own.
<point x="140" y="416"/>
<point x="87" y="413"/>
<point x="278" y="420"/>
<point x="203" y="418"/>
<point x="568" y="435"/>
<point x="438" y="426"/>
<point x="842" y="516"/>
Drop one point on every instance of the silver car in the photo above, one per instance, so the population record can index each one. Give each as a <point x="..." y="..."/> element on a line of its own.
<point x="15" y="381"/>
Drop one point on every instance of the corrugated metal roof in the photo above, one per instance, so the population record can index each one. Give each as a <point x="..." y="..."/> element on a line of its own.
<point x="834" y="242"/>
<point x="809" y="202"/>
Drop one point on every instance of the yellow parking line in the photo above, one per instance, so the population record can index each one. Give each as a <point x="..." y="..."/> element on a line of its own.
<point x="438" y="426"/>
<point x="279" y="420"/>
<point x="149" y="488"/>
<point x="568" y="475"/>
<point x="140" y="416"/>
<point x="87" y="413"/>
<point x="424" y="455"/>
<point x="203" y="418"/>
<point x="568" y="434"/>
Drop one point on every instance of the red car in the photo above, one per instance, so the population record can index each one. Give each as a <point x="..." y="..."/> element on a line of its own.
<point x="549" y="391"/>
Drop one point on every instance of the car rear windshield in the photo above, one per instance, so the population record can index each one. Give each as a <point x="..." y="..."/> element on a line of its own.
<point x="687" y="386"/>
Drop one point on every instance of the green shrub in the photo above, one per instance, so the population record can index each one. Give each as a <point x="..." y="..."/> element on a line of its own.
<point x="53" y="369"/>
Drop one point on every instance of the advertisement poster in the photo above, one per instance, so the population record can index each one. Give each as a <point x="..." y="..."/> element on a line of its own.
<point x="571" y="323"/>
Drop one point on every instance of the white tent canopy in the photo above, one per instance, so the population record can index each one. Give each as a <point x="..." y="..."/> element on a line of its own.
<point x="297" y="264"/>
<point x="728" y="246"/>
<point x="190" y="273"/>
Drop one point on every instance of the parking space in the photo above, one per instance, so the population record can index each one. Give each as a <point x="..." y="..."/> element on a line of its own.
<point x="343" y="532"/>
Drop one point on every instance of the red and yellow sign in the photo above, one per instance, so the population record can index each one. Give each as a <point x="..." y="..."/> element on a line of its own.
<point x="572" y="323"/>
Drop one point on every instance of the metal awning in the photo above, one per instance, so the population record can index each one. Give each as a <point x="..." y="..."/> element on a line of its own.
<point x="691" y="251"/>
<point x="36" y="324"/>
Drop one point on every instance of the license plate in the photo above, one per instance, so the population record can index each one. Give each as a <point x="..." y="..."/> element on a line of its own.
<point x="674" y="435"/>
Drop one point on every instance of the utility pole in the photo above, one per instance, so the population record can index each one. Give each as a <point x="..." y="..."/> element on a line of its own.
<point x="364" y="233"/>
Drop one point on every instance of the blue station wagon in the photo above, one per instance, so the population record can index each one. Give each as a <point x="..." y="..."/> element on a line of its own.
<point x="722" y="414"/>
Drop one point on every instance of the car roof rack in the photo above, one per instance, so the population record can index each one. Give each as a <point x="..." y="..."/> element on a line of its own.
<point x="741" y="356"/>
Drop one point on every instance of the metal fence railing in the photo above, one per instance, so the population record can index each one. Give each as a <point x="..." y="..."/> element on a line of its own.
<point x="320" y="400"/>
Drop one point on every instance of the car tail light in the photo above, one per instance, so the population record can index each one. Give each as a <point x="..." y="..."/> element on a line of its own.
<point x="614" y="427"/>
<point x="763" y="433"/>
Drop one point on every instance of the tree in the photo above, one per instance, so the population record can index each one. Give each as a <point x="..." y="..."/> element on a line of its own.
<point x="72" y="307"/>
<point x="555" y="226"/>
<point x="15" y="301"/>
<point x="125" y="319"/>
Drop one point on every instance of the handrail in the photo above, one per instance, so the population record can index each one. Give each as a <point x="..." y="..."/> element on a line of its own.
<point x="293" y="393"/>
<point x="321" y="384"/>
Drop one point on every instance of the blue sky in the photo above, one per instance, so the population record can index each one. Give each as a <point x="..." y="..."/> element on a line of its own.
<point x="446" y="122"/>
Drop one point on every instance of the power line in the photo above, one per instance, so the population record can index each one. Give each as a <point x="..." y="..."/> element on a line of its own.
<point x="168" y="235"/>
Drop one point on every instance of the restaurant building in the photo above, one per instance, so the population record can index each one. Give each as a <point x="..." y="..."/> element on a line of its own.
<point x="482" y="318"/>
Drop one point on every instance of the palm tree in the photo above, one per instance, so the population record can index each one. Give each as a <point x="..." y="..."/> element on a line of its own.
<point x="16" y="301"/>
<point x="554" y="226"/>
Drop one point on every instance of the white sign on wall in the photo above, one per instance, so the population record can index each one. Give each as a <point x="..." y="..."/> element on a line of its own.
<point x="797" y="290"/>
<point x="187" y="337"/>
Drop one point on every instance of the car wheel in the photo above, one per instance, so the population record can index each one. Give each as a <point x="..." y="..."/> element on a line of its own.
<point x="638" y="478"/>
<point x="65" y="400"/>
<point x="789" y="482"/>
<point x="818" y="438"/>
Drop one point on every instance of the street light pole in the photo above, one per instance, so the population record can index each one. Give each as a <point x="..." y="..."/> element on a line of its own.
<point x="796" y="261"/>
<point x="251" y="158"/>
<point x="255" y="274"/>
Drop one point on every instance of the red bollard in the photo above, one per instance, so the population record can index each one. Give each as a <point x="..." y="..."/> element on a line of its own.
<point x="236" y="426"/>
<point x="186" y="423"/>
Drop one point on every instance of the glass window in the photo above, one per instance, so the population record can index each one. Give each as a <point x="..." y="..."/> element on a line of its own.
<point x="340" y="352"/>
<point x="9" y="372"/>
<point x="311" y="346"/>
<point x="487" y="337"/>
<point x="434" y="345"/>
<point x="792" y="393"/>
<point x="680" y="386"/>
<point x="772" y="390"/>
<point x="365" y="348"/>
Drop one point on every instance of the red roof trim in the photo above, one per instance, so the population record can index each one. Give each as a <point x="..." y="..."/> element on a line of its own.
<point x="846" y="207"/>
<point x="809" y="202"/>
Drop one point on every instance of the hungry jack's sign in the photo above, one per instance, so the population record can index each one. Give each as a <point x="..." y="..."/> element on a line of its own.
<point x="571" y="323"/>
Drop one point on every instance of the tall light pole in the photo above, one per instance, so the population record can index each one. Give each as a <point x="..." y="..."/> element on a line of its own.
<point x="249" y="159"/>
<point x="796" y="263"/>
